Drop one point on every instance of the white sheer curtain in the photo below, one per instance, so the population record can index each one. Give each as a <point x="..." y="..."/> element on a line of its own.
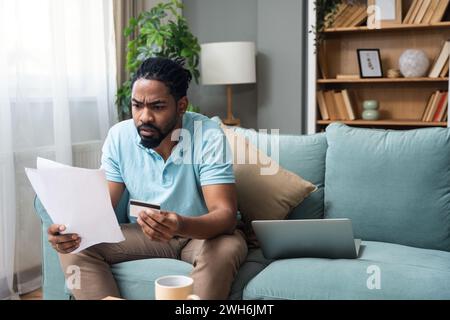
<point x="57" y="87"/>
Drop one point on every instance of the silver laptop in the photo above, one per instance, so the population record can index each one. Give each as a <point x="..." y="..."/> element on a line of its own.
<point x="315" y="238"/>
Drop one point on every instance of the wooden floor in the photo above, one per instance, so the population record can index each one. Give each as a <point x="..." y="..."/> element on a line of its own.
<point x="35" y="295"/>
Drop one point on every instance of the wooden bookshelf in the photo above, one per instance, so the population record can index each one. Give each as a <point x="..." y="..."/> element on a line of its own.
<point x="383" y="80"/>
<point x="434" y="26"/>
<point x="402" y="100"/>
<point x="388" y="123"/>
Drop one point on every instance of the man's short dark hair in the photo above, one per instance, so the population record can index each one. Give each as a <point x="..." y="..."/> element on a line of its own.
<point x="170" y="72"/>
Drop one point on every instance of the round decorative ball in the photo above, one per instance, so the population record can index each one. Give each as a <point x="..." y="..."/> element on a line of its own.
<point x="414" y="63"/>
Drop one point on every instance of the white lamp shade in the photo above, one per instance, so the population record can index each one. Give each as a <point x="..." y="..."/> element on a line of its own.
<point x="228" y="63"/>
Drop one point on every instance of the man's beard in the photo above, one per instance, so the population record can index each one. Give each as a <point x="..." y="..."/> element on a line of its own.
<point x="156" y="139"/>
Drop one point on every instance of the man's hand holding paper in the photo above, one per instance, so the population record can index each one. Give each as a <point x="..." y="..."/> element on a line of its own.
<point x="63" y="243"/>
<point x="77" y="199"/>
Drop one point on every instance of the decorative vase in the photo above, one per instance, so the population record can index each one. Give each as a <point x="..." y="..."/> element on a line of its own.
<point x="370" y="110"/>
<point x="414" y="63"/>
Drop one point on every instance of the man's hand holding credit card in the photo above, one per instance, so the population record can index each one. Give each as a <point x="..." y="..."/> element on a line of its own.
<point x="137" y="206"/>
<point x="156" y="224"/>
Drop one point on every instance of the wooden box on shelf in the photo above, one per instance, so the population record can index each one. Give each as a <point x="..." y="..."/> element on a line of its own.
<point x="403" y="101"/>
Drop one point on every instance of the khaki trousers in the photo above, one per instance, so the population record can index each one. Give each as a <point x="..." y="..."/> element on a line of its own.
<point x="216" y="262"/>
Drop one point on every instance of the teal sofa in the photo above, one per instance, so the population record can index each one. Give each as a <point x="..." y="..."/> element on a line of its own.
<point x="394" y="185"/>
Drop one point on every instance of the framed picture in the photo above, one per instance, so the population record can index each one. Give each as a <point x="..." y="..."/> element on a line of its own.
<point x="369" y="61"/>
<point x="384" y="13"/>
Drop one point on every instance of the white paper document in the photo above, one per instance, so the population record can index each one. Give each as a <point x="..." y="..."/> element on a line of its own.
<point x="77" y="198"/>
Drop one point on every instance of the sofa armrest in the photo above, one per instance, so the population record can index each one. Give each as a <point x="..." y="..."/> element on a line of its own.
<point x="53" y="285"/>
<point x="52" y="275"/>
<point x="122" y="208"/>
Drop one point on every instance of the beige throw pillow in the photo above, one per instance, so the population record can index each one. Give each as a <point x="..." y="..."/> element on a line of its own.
<point x="264" y="197"/>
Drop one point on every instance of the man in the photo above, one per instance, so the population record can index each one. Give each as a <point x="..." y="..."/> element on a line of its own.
<point x="146" y="155"/>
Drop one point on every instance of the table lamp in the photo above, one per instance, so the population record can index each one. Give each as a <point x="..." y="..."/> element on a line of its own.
<point x="228" y="63"/>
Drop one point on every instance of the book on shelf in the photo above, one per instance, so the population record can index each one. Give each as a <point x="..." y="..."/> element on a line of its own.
<point x="347" y="77"/>
<point x="422" y="11"/>
<point x="436" y="108"/>
<point x="357" y="17"/>
<point x="359" y="20"/>
<point x="426" y="11"/>
<point x="335" y="105"/>
<point x="427" y="107"/>
<point x="340" y="8"/>
<point x="342" y="15"/>
<point x="407" y="18"/>
<point x="441" y="107"/>
<point x="348" y="104"/>
<point x="429" y="14"/>
<point x="442" y="45"/>
<point x="439" y="13"/>
<point x="444" y="72"/>
<point x="441" y="60"/>
<point x="322" y="105"/>
<point x="329" y="102"/>
<point x="349" y="15"/>
<point x="443" y="113"/>
<point x="433" y="106"/>
<point x="412" y="12"/>
<point x="340" y="105"/>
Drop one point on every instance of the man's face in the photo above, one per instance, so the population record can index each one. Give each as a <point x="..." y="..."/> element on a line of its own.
<point x="155" y="111"/>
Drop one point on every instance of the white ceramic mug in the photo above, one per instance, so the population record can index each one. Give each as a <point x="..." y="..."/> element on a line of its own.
<point x="174" y="288"/>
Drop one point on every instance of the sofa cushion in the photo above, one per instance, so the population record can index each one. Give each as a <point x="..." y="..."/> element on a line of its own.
<point x="304" y="156"/>
<point x="254" y="264"/>
<point x="136" y="279"/>
<point x="265" y="190"/>
<point x="405" y="273"/>
<point x="393" y="185"/>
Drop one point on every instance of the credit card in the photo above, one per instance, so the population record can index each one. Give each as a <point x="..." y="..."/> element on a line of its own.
<point x="136" y="206"/>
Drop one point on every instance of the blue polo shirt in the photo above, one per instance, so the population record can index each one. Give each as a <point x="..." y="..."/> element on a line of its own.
<point x="202" y="157"/>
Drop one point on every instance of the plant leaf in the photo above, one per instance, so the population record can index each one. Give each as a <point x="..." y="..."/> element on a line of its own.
<point x="158" y="36"/>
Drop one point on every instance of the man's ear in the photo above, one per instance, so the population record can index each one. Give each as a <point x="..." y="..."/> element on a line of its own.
<point x="183" y="104"/>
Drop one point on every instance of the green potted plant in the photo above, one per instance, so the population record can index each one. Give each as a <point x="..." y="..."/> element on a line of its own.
<point x="156" y="35"/>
